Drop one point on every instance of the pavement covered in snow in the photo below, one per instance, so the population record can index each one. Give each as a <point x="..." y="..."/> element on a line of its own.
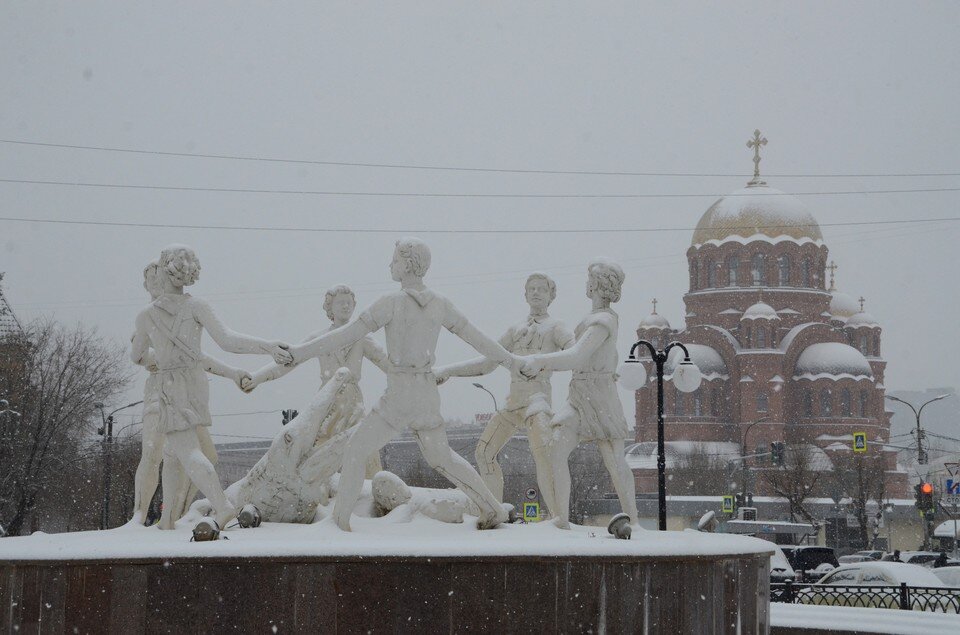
<point x="840" y="618"/>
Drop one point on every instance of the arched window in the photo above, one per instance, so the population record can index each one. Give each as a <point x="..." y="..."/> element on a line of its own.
<point x="876" y="345"/>
<point x="711" y="274"/>
<point x="864" y="403"/>
<point x="863" y="345"/>
<point x="758" y="269"/>
<point x="747" y="341"/>
<point x="678" y="398"/>
<point x="826" y="403"/>
<point x="807" y="403"/>
<point x="697" y="404"/>
<point x="845" y="406"/>
<point x="763" y="402"/>
<point x="818" y="274"/>
<point x="733" y="269"/>
<point x="694" y="274"/>
<point x="805" y="273"/>
<point x="761" y="337"/>
<point x="783" y="269"/>
<point x="716" y="406"/>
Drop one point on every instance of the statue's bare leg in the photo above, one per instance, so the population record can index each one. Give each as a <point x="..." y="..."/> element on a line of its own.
<point x="188" y="491"/>
<point x="494" y="437"/>
<point x="456" y="469"/>
<point x="538" y="434"/>
<point x="148" y="472"/>
<point x="565" y="441"/>
<point x="185" y="446"/>
<point x="172" y="475"/>
<point x="371" y="434"/>
<point x="621" y="475"/>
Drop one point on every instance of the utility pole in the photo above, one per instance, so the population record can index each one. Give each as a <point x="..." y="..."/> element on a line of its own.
<point x="743" y="457"/>
<point x="921" y="453"/>
<point x="107" y="432"/>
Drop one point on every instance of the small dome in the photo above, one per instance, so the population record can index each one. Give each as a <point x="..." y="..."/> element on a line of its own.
<point x="757" y="210"/>
<point x="654" y="321"/>
<point x="707" y="359"/>
<point x="760" y="310"/>
<point x="832" y="360"/>
<point x="843" y="306"/>
<point x="861" y="319"/>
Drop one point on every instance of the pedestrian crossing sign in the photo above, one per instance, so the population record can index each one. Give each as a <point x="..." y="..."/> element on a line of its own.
<point x="727" y="504"/>
<point x="531" y="512"/>
<point x="859" y="441"/>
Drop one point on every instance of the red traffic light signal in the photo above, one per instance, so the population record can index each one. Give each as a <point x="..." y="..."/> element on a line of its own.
<point x="926" y="488"/>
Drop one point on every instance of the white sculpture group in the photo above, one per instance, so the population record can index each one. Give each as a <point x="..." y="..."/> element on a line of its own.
<point x="294" y="477"/>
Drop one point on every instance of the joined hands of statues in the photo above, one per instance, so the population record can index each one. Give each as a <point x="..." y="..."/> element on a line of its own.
<point x="441" y="377"/>
<point x="281" y="353"/>
<point x="240" y="377"/>
<point x="532" y="366"/>
<point x="248" y="383"/>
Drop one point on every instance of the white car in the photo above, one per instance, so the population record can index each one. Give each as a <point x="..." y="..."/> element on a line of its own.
<point x="948" y="575"/>
<point x="881" y="573"/>
<point x="780" y="569"/>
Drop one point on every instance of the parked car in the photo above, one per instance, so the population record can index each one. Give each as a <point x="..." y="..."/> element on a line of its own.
<point x="870" y="554"/>
<point x="881" y="573"/>
<point x="810" y="561"/>
<point x="780" y="569"/>
<point x="949" y="575"/>
<point x="876" y="585"/>
<point x="922" y="558"/>
<point x="854" y="557"/>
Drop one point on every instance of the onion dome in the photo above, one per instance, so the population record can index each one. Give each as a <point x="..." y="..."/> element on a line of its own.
<point x="832" y="360"/>
<point x="706" y="358"/>
<point x="757" y="212"/>
<point x="655" y="320"/>
<point x="842" y="306"/>
<point x="760" y="311"/>
<point x="861" y="319"/>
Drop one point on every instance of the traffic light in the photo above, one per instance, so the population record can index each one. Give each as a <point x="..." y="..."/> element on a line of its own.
<point x="776" y="452"/>
<point x="924" y="492"/>
<point x="739" y="500"/>
<point x="288" y="415"/>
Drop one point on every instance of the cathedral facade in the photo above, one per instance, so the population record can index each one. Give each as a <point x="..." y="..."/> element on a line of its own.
<point x="784" y="357"/>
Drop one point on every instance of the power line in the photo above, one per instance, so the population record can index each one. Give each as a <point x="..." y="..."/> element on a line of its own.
<point x="409" y="166"/>
<point x="370" y="230"/>
<point x="634" y="195"/>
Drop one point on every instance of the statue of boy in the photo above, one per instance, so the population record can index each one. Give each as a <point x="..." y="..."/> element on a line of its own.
<point x="412" y="318"/>
<point x="148" y="471"/>
<point x="593" y="411"/>
<point x="539" y="333"/>
<point x="172" y="326"/>
<point x="339" y="304"/>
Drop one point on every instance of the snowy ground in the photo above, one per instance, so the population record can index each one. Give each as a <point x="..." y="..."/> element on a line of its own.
<point x="839" y="618"/>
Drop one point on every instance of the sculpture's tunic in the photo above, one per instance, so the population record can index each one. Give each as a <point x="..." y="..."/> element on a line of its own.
<point x="182" y="389"/>
<point x="538" y="334"/>
<point x="593" y="390"/>
<point x="412" y="320"/>
<point x="348" y="407"/>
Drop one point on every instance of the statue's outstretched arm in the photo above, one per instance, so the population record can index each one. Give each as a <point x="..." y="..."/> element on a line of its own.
<point x="456" y="323"/>
<point x="234" y="342"/>
<point x="331" y="341"/>
<point x="477" y="366"/>
<point x="375" y="353"/>
<point x="577" y="355"/>
<point x="140" y="345"/>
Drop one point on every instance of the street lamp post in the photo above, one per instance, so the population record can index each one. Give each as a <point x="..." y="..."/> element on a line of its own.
<point x="107" y="432"/>
<point x="480" y="386"/>
<point x="921" y="454"/>
<point x="686" y="377"/>
<point x="743" y="456"/>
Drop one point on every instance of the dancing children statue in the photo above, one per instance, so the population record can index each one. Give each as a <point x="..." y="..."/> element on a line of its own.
<point x="412" y="318"/>
<point x="339" y="303"/>
<point x="172" y="326"/>
<point x="539" y="333"/>
<point x="593" y="411"/>
<point x="148" y="471"/>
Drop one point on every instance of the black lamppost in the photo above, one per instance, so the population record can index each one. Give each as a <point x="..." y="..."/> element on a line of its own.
<point x="686" y="377"/>
<point x="480" y="386"/>
<point x="743" y="456"/>
<point x="107" y="432"/>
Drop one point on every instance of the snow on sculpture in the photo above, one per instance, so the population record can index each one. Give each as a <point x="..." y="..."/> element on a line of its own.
<point x="148" y="471"/>
<point x="412" y="318"/>
<point x="538" y="333"/>
<point x="293" y="477"/>
<point x="593" y="411"/>
<point x="392" y="496"/>
<point x="172" y="326"/>
<point x="339" y="303"/>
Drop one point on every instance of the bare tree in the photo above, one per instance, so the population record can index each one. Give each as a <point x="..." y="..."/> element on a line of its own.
<point x="58" y="376"/>
<point x="700" y="473"/>
<point x="861" y="478"/>
<point x="796" y="480"/>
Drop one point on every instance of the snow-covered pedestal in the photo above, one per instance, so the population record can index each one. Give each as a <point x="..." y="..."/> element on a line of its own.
<point x="420" y="575"/>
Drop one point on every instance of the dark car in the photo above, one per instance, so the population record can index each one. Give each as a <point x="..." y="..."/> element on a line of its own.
<point x="808" y="560"/>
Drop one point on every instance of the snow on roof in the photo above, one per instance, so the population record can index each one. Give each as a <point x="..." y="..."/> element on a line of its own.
<point x="707" y="359"/>
<point x="861" y="319"/>
<point x="788" y="312"/>
<point x="838" y="447"/>
<point x="746" y="379"/>
<point x="757" y="212"/>
<point x="832" y="360"/>
<point x="654" y="321"/>
<point x="842" y="305"/>
<point x="947" y="529"/>
<point x="776" y="379"/>
<point x="760" y="310"/>
<point x="835" y="437"/>
<point x="643" y="456"/>
<point x="730" y="312"/>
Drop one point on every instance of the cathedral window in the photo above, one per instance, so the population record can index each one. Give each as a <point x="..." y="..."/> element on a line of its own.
<point x="876" y="346"/>
<point x="697" y="404"/>
<point x="711" y="274"/>
<point x="758" y="270"/>
<point x="747" y="341"/>
<point x="807" y="403"/>
<point x="845" y="406"/>
<point x="715" y="404"/>
<point x="761" y="337"/>
<point x="818" y="274"/>
<point x="679" y="403"/>
<point x="805" y="273"/>
<point x="783" y="268"/>
<point x="763" y="402"/>
<point x="826" y="403"/>
<point x="733" y="267"/>
<point x="864" y="403"/>
<point x="863" y="345"/>
<point x="694" y="274"/>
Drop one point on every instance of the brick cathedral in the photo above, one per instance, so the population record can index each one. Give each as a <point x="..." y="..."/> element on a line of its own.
<point x="784" y="357"/>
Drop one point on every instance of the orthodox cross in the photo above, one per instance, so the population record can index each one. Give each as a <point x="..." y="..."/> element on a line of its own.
<point x="833" y="269"/>
<point x="654" y="306"/>
<point x="756" y="143"/>
<point x="862" y="300"/>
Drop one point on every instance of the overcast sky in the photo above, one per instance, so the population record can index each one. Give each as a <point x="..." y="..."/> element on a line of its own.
<point x="837" y="88"/>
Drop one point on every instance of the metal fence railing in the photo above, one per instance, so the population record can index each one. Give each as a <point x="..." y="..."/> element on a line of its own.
<point x="907" y="598"/>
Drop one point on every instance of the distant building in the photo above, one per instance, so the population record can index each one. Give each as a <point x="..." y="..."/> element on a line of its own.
<point x="12" y="358"/>
<point x="774" y="344"/>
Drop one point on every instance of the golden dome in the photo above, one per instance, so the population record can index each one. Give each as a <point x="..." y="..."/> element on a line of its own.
<point x="757" y="211"/>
